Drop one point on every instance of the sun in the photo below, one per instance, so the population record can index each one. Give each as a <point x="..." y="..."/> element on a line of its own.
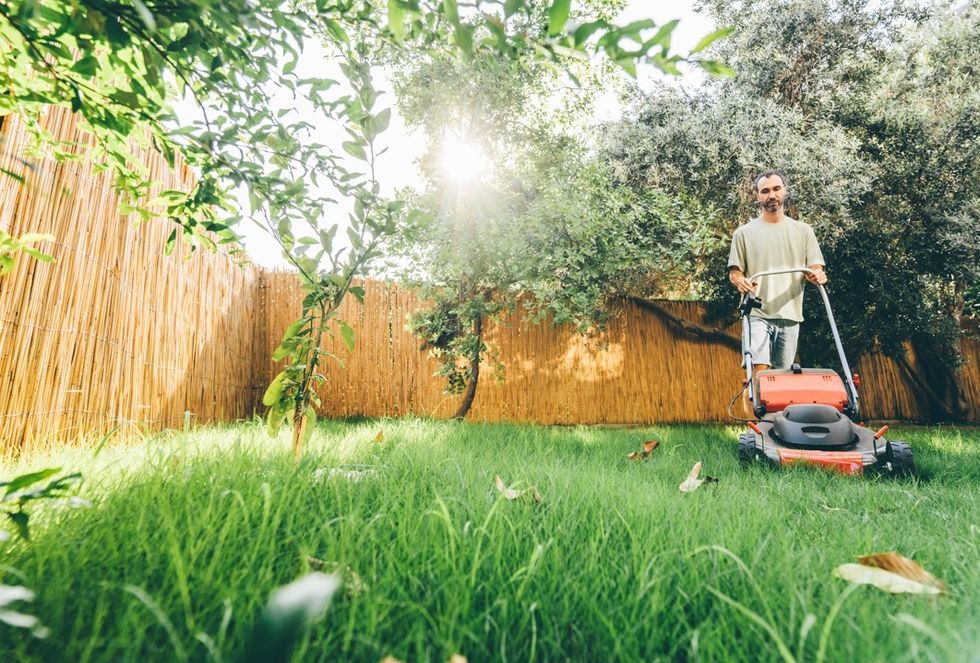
<point x="462" y="160"/>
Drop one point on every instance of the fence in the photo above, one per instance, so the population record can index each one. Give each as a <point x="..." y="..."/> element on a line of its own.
<point x="114" y="332"/>
<point x="642" y="370"/>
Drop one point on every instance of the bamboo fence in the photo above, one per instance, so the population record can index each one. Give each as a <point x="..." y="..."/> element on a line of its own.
<point x="641" y="370"/>
<point x="113" y="333"/>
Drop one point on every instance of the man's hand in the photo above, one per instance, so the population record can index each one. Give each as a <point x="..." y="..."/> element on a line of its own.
<point x="817" y="275"/>
<point x="742" y="284"/>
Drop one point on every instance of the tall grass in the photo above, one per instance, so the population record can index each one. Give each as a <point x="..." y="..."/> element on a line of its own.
<point x="188" y="535"/>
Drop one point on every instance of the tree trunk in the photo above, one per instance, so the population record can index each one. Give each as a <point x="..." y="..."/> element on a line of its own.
<point x="299" y="425"/>
<point x="470" y="393"/>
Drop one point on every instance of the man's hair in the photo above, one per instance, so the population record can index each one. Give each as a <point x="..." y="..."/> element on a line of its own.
<point x="769" y="173"/>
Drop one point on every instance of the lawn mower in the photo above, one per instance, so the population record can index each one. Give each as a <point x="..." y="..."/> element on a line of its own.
<point x="808" y="415"/>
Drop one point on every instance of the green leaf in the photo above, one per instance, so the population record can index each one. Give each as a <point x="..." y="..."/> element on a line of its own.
<point x="558" y="16"/>
<point x="272" y="393"/>
<point x="358" y="292"/>
<point x="284" y="350"/>
<point x="381" y="121"/>
<point x="20" y="521"/>
<point x="396" y="19"/>
<point x="586" y="30"/>
<point x="716" y="68"/>
<point x="168" y="246"/>
<point x="348" y="335"/>
<point x="274" y="419"/>
<point x="25" y="480"/>
<point x="355" y="150"/>
<point x="294" y="328"/>
<point x="87" y="66"/>
<point x="308" y="425"/>
<point x="662" y="37"/>
<point x="511" y="7"/>
<point x="711" y="38"/>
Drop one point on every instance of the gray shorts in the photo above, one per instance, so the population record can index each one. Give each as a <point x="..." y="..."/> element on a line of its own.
<point x="773" y="342"/>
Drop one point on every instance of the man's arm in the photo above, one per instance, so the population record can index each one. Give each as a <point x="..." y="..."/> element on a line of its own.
<point x="742" y="284"/>
<point x="818" y="277"/>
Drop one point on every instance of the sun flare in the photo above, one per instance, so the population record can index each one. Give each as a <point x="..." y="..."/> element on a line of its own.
<point x="462" y="160"/>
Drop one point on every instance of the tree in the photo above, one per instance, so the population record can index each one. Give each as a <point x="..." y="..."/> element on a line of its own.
<point x="871" y="113"/>
<point x="489" y="245"/>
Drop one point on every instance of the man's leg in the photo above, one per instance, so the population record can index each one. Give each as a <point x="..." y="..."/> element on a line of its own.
<point x="760" y="343"/>
<point x="785" y="341"/>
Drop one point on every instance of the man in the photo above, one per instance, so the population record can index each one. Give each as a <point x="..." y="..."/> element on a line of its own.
<point x="768" y="242"/>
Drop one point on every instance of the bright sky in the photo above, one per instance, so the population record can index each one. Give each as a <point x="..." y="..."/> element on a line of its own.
<point x="397" y="168"/>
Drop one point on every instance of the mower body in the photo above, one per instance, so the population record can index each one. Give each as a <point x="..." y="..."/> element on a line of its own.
<point x="807" y="415"/>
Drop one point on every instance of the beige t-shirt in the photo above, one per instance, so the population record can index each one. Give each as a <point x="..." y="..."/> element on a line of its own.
<point x="759" y="246"/>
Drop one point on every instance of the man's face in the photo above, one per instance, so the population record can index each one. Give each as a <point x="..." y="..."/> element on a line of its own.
<point x="770" y="193"/>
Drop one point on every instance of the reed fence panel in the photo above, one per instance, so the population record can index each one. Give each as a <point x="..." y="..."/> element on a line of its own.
<point x="641" y="370"/>
<point x="113" y="332"/>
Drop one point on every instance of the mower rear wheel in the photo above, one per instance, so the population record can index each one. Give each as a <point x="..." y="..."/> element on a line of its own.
<point x="748" y="452"/>
<point x="902" y="462"/>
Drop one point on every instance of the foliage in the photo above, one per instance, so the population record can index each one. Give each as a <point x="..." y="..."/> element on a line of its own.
<point x="871" y="112"/>
<point x="10" y="245"/>
<point x="18" y="493"/>
<point x="503" y="240"/>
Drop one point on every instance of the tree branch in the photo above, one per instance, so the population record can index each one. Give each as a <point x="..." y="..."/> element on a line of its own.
<point x="685" y="326"/>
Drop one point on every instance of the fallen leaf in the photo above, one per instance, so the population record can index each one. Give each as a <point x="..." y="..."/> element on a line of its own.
<point x="457" y="658"/>
<point x="692" y="482"/>
<point x="390" y="659"/>
<point x="512" y="494"/>
<point x="648" y="448"/>
<point x="896" y="564"/>
<point x="885" y="580"/>
<point x="380" y="437"/>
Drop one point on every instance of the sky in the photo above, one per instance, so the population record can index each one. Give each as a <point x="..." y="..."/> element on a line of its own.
<point x="397" y="168"/>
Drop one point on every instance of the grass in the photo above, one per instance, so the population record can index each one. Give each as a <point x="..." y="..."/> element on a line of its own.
<point x="187" y="536"/>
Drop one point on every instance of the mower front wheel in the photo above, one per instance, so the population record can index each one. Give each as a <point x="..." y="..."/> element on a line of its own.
<point x="900" y="458"/>
<point x="748" y="452"/>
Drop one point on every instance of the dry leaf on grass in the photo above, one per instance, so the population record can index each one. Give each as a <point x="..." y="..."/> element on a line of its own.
<point x="457" y="658"/>
<point x="530" y="493"/>
<point x="390" y="659"/>
<point x="648" y="448"/>
<point x="692" y="482"/>
<point x="891" y="572"/>
<point x="380" y="437"/>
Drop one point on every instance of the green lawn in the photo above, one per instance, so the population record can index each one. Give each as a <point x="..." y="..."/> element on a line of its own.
<point x="614" y="564"/>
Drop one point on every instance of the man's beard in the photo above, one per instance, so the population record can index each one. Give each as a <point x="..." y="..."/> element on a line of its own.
<point x="773" y="205"/>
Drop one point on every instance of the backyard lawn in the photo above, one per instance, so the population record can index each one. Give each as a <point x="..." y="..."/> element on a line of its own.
<point x="188" y="534"/>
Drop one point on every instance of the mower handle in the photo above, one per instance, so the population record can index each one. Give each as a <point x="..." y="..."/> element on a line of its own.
<point x="852" y="395"/>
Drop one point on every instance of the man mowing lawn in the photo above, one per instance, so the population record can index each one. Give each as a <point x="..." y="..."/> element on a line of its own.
<point x="773" y="241"/>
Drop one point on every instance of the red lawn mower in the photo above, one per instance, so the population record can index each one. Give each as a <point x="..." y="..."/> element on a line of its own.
<point x="807" y="415"/>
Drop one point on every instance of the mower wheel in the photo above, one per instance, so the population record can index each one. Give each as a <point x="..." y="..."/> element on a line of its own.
<point x="902" y="463"/>
<point x="748" y="452"/>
